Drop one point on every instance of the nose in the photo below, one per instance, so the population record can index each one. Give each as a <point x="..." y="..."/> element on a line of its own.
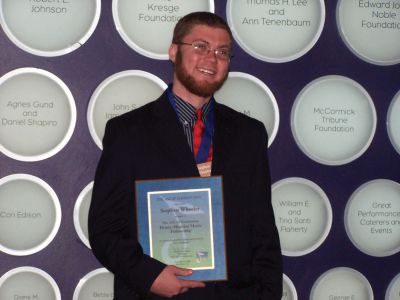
<point x="211" y="54"/>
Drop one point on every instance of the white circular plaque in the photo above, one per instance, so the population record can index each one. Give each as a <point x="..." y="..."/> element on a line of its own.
<point x="118" y="94"/>
<point x="30" y="214"/>
<point x="371" y="29"/>
<point x="276" y="30"/>
<point x="333" y="120"/>
<point x="341" y="283"/>
<point x="81" y="212"/>
<point x="289" y="290"/>
<point x="49" y="28"/>
<point x="37" y="114"/>
<point x="249" y="95"/>
<point x="147" y="25"/>
<point x="393" y="122"/>
<point x="372" y="218"/>
<point x="393" y="291"/>
<point x="303" y="215"/>
<point x="28" y="283"/>
<point x="98" y="284"/>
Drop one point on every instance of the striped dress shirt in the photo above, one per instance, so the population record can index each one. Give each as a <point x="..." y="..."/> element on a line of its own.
<point x="187" y="116"/>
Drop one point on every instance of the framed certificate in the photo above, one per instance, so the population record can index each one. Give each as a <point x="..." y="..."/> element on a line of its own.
<point x="181" y="223"/>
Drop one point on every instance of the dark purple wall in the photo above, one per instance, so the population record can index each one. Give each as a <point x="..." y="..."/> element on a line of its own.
<point x="67" y="259"/>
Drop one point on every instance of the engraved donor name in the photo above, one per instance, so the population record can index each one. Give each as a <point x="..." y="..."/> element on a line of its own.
<point x="160" y="13"/>
<point x="380" y="218"/>
<point x="30" y="109"/>
<point x="337" y="297"/>
<point x="278" y="2"/>
<point x="382" y="14"/>
<point x="294" y="221"/>
<point x="118" y="109"/>
<point x="103" y="295"/>
<point x="49" y="6"/>
<point x="20" y="215"/>
<point x="274" y="8"/>
<point x="25" y="297"/>
<point x="334" y="120"/>
<point x="29" y="104"/>
<point x="378" y="4"/>
<point x="28" y="122"/>
<point x="162" y="8"/>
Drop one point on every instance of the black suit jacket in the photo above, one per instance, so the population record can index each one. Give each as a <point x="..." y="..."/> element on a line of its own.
<point x="149" y="143"/>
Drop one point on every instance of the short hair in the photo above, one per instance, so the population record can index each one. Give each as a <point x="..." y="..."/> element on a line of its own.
<point x="186" y="24"/>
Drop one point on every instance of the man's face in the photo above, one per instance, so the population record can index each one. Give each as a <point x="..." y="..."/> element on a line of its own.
<point x="199" y="73"/>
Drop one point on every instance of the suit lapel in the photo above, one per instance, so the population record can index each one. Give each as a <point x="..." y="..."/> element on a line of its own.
<point x="169" y="135"/>
<point x="224" y="139"/>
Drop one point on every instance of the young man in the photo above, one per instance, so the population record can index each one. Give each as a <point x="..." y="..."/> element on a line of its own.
<point x="157" y="141"/>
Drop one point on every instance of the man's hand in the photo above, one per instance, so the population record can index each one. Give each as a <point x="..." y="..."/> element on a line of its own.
<point x="167" y="285"/>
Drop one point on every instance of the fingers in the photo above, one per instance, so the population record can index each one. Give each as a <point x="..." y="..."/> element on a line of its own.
<point x="168" y="285"/>
<point x="181" y="271"/>
<point x="190" y="284"/>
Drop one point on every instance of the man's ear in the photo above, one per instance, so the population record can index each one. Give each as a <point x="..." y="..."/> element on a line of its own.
<point x="172" y="52"/>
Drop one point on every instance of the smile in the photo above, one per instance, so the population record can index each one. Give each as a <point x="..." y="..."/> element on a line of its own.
<point x="206" y="71"/>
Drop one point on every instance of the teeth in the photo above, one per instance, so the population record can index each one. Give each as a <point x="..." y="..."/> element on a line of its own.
<point x="206" y="71"/>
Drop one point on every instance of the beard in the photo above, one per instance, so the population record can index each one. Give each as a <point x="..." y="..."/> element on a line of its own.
<point x="202" y="89"/>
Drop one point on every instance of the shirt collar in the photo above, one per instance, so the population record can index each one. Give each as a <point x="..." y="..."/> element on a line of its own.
<point x="187" y="112"/>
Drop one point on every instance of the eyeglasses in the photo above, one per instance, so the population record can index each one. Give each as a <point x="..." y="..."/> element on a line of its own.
<point x="204" y="49"/>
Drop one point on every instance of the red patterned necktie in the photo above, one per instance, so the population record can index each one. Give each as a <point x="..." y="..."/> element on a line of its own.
<point x="197" y="131"/>
<point x="198" y="134"/>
